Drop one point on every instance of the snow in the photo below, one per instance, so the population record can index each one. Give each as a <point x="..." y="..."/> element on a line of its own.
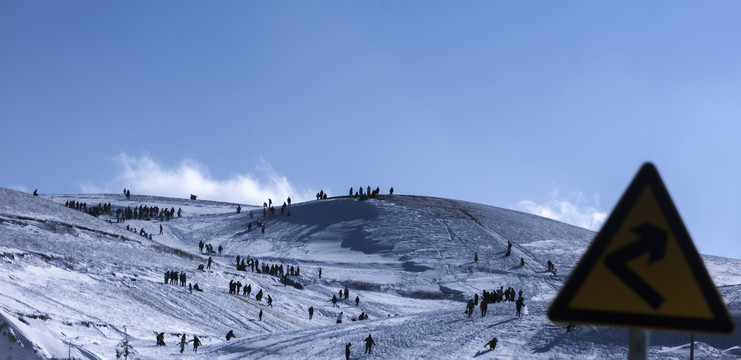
<point x="72" y="282"/>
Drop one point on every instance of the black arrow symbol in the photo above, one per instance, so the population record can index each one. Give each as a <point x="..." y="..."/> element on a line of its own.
<point x="652" y="240"/>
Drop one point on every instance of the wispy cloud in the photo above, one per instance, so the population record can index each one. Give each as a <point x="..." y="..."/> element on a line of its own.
<point x="573" y="209"/>
<point x="144" y="175"/>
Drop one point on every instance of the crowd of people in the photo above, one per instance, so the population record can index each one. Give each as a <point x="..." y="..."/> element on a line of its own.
<point x="284" y="271"/>
<point x="96" y="210"/>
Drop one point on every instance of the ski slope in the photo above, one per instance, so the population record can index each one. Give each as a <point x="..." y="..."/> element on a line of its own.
<point x="73" y="282"/>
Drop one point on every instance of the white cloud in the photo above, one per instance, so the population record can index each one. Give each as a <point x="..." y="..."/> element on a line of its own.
<point x="573" y="209"/>
<point x="144" y="175"/>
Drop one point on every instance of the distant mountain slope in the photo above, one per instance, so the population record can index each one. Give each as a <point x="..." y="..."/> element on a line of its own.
<point x="72" y="282"/>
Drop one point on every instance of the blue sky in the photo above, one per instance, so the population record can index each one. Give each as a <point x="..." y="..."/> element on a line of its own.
<point x="547" y="107"/>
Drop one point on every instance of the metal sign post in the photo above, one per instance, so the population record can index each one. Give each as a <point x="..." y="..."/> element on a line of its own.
<point x="637" y="344"/>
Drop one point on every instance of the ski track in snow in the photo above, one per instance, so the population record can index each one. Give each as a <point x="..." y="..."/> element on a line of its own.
<point x="73" y="282"/>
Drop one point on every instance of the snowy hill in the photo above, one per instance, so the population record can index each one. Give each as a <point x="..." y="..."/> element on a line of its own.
<point x="72" y="282"/>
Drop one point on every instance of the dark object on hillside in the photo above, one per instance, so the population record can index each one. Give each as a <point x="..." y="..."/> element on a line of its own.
<point x="201" y="267"/>
<point x="196" y="288"/>
<point x="161" y="339"/>
<point x="36" y="192"/>
<point x="193" y="197"/>
<point x="230" y="335"/>
<point x="492" y="344"/>
<point x="369" y="344"/>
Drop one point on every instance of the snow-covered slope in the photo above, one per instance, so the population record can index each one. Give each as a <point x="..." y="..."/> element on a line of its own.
<point x="72" y="282"/>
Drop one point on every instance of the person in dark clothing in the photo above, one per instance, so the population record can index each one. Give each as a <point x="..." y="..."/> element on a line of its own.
<point x="320" y="273"/>
<point x="182" y="343"/>
<point x="357" y="301"/>
<point x="260" y="315"/>
<point x="311" y="312"/>
<point x="520" y="303"/>
<point x="209" y="263"/>
<point x="484" y="307"/>
<point x="522" y="261"/>
<point x="347" y="351"/>
<point x="196" y="343"/>
<point x="369" y="344"/>
<point x="160" y="229"/>
<point x="161" y="339"/>
<point x="230" y="335"/>
<point x="334" y="300"/>
<point x="492" y="344"/>
<point x="347" y="292"/>
<point x="270" y="301"/>
<point x="220" y="249"/>
<point x="469" y="308"/>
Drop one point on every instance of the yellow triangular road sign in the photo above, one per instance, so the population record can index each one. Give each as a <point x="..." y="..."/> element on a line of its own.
<point x="642" y="270"/>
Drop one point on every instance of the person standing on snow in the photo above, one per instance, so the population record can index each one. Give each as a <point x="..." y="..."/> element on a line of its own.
<point x="369" y="344"/>
<point x="347" y="351"/>
<point x="196" y="343"/>
<point x="520" y="303"/>
<point x="492" y="344"/>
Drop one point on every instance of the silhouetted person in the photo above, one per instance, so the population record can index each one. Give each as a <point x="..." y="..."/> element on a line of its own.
<point x="492" y="344"/>
<point x="369" y="344"/>
<point x="196" y="343"/>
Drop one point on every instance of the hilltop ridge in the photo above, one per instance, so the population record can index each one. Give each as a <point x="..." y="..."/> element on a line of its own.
<point x="73" y="281"/>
